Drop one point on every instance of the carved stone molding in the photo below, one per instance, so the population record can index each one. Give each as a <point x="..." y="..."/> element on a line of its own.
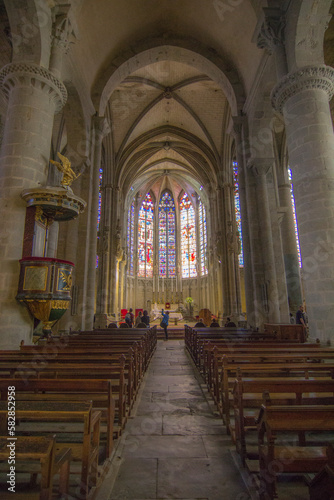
<point x="102" y="127"/>
<point x="62" y="30"/>
<point x="310" y="77"/>
<point x="31" y="75"/>
<point x="260" y="166"/>
<point x="272" y="31"/>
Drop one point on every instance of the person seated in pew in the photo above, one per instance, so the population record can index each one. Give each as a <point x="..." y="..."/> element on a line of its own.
<point x="141" y="325"/>
<point x="112" y="325"/>
<point x="145" y="318"/>
<point x="214" y="324"/>
<point x="230" y="323"/>
<point x="138" y="319"/>
<point x="200" y="324"/>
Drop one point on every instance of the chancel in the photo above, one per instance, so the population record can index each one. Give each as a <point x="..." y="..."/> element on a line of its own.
<point x="166" y="156"/>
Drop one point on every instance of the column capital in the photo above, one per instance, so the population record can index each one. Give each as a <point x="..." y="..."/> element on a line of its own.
<point x="260" y="166"/>
<point x="237" y="124"/>
<point x="310" y="77"/>
<point x="102" y="126"/>
<point x="272" y="30"/>
<point x="31" y="75"/>
<point x="62" y="30"/>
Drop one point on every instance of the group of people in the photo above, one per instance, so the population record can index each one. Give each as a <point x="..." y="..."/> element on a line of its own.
<point x="141" y="321"/>
<point x="214" y="323"/>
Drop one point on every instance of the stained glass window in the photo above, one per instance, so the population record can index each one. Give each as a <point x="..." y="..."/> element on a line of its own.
<point x="167" y="246"/>
<point x="295" y="218"/>
<point x="99" y="210"/>
<point x="188" y="238"/>
<point x="145" y="238"/>
<point x="237" y="210"/>
<point x="131" y="236"/>
<point x="202" y="237"/>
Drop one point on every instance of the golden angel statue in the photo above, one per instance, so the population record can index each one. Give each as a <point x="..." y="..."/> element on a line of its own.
<point x="65" y="167"/>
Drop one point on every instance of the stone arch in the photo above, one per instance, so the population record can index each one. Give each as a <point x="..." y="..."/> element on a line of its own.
<point x="306" y="24"/>
<point x="186" y="51"/>
<point x="30" y="26"/>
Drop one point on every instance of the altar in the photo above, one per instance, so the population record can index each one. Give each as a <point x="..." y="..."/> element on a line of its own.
<point x="174" y="314"/>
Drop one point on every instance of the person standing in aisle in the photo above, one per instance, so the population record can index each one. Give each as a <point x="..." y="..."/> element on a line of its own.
<point x="164" y="322"/>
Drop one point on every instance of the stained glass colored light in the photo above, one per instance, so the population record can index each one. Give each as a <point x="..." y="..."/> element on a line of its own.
<point x="295" y="218"/>
<point x="99" y="209"/>
<point x="131" y="236"/>
<point x="167" y="246"/>
<point x="145" y="238"/>
<point x="202" y="237"/>
<point x="188" y="238"/>
<point x="237" y="210"/>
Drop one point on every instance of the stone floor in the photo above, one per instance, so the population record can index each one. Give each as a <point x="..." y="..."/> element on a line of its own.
<point x="175" y="446"/>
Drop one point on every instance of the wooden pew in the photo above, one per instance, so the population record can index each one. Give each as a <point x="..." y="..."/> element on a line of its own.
<point x="55" y="416"/>
<point x="99" y="392"/>
<point x="286" y="331"/>
<point x="210" y="349"/>
<point x="321" y="487"/>
<point x="83" y="353"/>
<point x="28" y="450"/>
<point x="58" y="370"/>
<point x="281" y="458"/>
<point x="248" y="397"/>
<point x="267" y="370"/>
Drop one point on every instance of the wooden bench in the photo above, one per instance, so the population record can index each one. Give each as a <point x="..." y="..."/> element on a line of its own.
<point x="121" y="384"/>
<point x="249" y="394"/>
<point x="267" y="370"/>
<point x="321" y="487"/>
<point x="99" y="392"/>
<point x="28" y="450"/>
<point x="286" y="331"/>
<point x="57" y="418"/>
<point x="285" y="457"/>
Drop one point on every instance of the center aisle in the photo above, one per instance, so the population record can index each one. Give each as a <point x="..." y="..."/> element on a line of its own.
<point x="174" y="445"/>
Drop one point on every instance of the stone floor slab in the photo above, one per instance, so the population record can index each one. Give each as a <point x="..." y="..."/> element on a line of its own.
<point x="164" y="446"/>
<point x="208" y="478"/>
<point x="191" y="425"/>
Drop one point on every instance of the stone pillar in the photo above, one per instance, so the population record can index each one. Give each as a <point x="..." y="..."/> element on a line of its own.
<point x="101" y="128"/>
<point x="291" y="263"/>
<point x="260" y="168"/>
<point x="122" y="281"/>
<point x="302" y="97"/>
<point x="34" y="96"/>
<point x="62" y="34"/>
<point x="271" y="37"/>
<point x="238" y="125"/>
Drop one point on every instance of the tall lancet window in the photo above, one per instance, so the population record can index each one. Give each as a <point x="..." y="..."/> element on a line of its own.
<point x="202" y="237"/>
<point x="295" y="218"/>
<point x="131" y="236"/>
<point x="188" y="238"/>
<point x="237" y="210"/>
<point x="167" y="244"/>
<point x="145" y="238"/>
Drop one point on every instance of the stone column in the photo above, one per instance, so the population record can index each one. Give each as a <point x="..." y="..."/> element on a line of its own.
<point x="101" y="129"/>
<point x="238" y="124"/>
<point x="122" y="280"/>
<point x="302" y="97"/>
<point x="260" y="167"/>
<point x="62" y="35"/>
<point x="271" y="37"/>
<point x="34" y="96"/>
<point x="291" y="263"/>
